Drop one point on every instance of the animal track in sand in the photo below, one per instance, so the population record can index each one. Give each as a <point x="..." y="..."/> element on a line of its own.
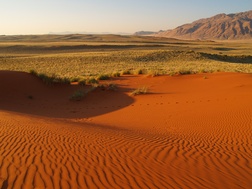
<point x="151" y="104"/>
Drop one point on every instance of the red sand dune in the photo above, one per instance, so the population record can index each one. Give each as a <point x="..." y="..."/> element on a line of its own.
<point x="188" y="132"/>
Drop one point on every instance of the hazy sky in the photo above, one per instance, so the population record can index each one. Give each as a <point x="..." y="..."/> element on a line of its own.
<point x="44" y="16"/>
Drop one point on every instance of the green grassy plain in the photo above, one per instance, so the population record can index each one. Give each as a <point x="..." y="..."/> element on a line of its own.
<point x="80" y="56"/>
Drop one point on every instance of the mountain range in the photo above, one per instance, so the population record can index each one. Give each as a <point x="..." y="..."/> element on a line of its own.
<point x="219" y="27"/>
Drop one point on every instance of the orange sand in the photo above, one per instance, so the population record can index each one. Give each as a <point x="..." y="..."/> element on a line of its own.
<point x="188" y="132"/>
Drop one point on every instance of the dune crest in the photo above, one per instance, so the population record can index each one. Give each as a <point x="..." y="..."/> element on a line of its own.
<point x="191" y="131"/>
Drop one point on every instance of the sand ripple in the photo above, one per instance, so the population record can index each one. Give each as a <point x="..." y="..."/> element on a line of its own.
<point x="160" y="141"/>
<point x="36" y="154"/>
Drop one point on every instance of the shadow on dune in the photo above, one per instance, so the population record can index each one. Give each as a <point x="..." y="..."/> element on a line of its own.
<point x="4" y="185"/>
<point x="23" y="93"/>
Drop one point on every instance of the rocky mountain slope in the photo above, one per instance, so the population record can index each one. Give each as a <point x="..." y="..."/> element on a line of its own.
<point x="219" y="27"/>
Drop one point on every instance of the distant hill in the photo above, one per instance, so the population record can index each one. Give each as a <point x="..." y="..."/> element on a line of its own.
<point x="220" y="27"/>
<point x="142" y="33"/>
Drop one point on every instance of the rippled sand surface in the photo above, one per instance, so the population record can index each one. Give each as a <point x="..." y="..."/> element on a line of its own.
<point x="190" y="131"/>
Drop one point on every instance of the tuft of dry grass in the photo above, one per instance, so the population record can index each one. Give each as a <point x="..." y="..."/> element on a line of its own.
<point x="103" y="77"/>
<point x="51" y="79"/>
<point x="77" y="95"/>
<point x="140" y="90"/>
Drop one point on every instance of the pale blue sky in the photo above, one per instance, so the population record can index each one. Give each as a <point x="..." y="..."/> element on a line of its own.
<point x="44" y="16"/>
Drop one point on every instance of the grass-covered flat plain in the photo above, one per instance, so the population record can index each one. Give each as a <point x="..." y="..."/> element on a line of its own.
<point x="91" y="55"/>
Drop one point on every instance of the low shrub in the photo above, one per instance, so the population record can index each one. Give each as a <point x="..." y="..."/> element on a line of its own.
<point x="51" y="79"/>
<point x="139" y="71"/>
<point x="185" y="72"/>
<point x="140" y="90"/>
<point x="103" y="77"/>
<point x="33" y="72"/>
<point x="116" y="74"/>
<point x="112" y="86"/>
<point x="77" y="95"/>
<point x="82" y="82"/>
<point x="126" y="72"/>
<point x="92" y="81"/>
<point x="75" y="79"/>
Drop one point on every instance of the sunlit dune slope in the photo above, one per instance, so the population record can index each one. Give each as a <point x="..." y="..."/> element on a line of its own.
<point x="191" y="131"/>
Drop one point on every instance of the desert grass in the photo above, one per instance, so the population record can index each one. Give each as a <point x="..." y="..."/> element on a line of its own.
<point x="139" y="91"/>
<point x="112" y="86"/>
<point x="78" y="95"/>
<point x="51" y="79"/>
<point x="95" y="64"/>
<point x="126" y="72"/>
<point x="111" y="58"/>
<point x="116" y="74"/>
<point x="92" y="81"/>
<point x="103" y="77"/>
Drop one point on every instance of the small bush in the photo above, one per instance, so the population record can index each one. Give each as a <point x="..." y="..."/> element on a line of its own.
<point x="92" y="81"/>
<point x="116" y="74"/>
<point x="82" y="82"/>
<point x="63" y="80"/>
<point x="103" y="77"/>
<point x="203" y="71"/>
<point x="74" y="79"/>
<point x="109" y="86"/>
<point x="78" y="95"/>
<point x="126" y="72"/>
<point x="172" y="73"/>
<point x="49" y="80"/>
<point x="139" y="72"/>
<point x="112" y="87"/>
<point x="185" y="72"/>
<point x="155" y="73"/>
<point x="140" y="90"/>
<point x="33" y="72"/>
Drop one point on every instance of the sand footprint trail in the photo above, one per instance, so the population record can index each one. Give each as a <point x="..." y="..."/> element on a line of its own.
<point x="179" y="136"/>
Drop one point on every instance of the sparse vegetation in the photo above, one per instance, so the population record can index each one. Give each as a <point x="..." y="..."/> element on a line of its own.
<point x="33" y="72"/>
<point x="75" y="79"/>
<point x="108" y="86"/>
<point x="140" y="90"/>
<point x="82" y="82"/>
<point x="116" y="74"/>
<point x="126" y="72"/>
<point x="111" y="86"/>
<point x="103" y="77"/>
<point x="91" y="81"/>
<point x="139" y="71"/>
<point x="52" y="79"/>
<point x="77" y="95"/>
<point x="186" y="72"/>
<point x="155" y="73"/>
<point x="122" y="57"/>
